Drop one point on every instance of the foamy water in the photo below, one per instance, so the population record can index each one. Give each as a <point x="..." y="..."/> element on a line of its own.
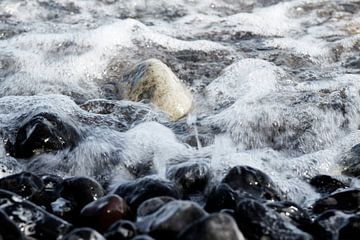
<point x="276" y="84"/>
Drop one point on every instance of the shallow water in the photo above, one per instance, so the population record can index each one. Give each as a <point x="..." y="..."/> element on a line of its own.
<point x="275" y="84"/>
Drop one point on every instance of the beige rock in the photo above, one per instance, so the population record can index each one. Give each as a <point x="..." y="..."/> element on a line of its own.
<point x="153" y="80"/>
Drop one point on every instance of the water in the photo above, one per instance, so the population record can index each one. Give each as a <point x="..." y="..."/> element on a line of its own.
<point x="275" y="84"/>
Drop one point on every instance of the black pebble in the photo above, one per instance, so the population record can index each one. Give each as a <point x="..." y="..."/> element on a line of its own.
<point x="252" y="182"/>
<point x="326" y="184"/>
<point x="145" y="188"/>
<point x="44" y="132"/>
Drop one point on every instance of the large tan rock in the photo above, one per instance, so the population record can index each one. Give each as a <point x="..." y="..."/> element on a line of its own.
<point x="153" y="80"/>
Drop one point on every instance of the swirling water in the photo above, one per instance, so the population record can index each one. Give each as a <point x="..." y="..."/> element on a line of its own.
<point x="276" y="84"/>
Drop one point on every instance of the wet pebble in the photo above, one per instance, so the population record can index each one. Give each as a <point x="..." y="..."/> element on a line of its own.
<point x="347" y="201"/>
<point x="32" y="220"/>
<point x="50" y="192"/>
<point x="25" y="184"/>
<point x="138" y="191"/>
<point x="171" y="219"/>
<point x="217" y="226"/>
<point x="256" y="221"/>
<point x="44" y="132"/>
<point x="190" y="177"/>
<point x="81" y="190"/>
<point x="252" y="182"/>
<point x="8" y="229"/>
<point x="328" y="224"/>
<point x="221" y="197"/>
<point x="121" y="230"/>
<point x="292" y="212"/>
<point x="351" y="230"/>
<point x="102" y="213"/>
<point x="326" y="184"/>
<point x="152" y="205"/>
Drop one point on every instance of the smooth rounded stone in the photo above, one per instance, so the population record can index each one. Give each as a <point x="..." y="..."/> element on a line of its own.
<point x="25" y="184"/>
<point x="326" y="184"/>
<point x="152" y="205"/>
<point x="81" y="191"/>
<point x="351" y="230"/>
<point x="32" y="220"/>
<point x="8" y="229"/>
<point x="252" y="182"/>
<point x="154" y="81"/>
<point x="217" y="226"/>
<point x="328" y="224"/>
<point x="190" y="177"/>
<point x="351" y="162"/>
<point x="347" y="201"/>
<point x="42" y="133"/>
<point x="102" y="213"/>
<point x="293" y="212"/>
<point x="138" y="191"/>
<point x="221" y="197"/>
<point x="257" y="221"/>
<point x="121" y="230"/>
<point x="84" y="234"/>
<point x="171" y="219"/>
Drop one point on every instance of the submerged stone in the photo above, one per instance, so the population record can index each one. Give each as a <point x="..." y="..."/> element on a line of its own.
<point x="351" y="230"/>
<point x="42" y="133"/>
<point x="216" y="226"/>
<point x="351" y="162"/>
<point x="153" y="80"/>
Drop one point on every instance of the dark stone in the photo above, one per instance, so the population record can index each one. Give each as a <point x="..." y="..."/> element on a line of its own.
<point x="25" y="184"/>
<point x="347" y="201"/>
<point x="190" y="177"/>
<point x="50" y="192"/>
<point x="326" y="184"/>
<point x="252" y="182"/>
<point x="84" y="234"/>
<point x="217" y="226"/>
<point x="102" y="213"/>
<point x="221" y="197"/>
<point x="121" y="230"/>
<point x="292" y="212"/>
<point x="257" y="221"/>
<point x="152" y="205"/>
<point x="81" y="191"/>
<point x="351" y="162"/>
<point x="8" y="229"/>
<point x="145" y="188"/>
<point x="42" y="133"/>
<point x="327" y="225"/>
<point x="351" y="230"/>
<point x="170" y="219"/>
<point x="32" y="220"/>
